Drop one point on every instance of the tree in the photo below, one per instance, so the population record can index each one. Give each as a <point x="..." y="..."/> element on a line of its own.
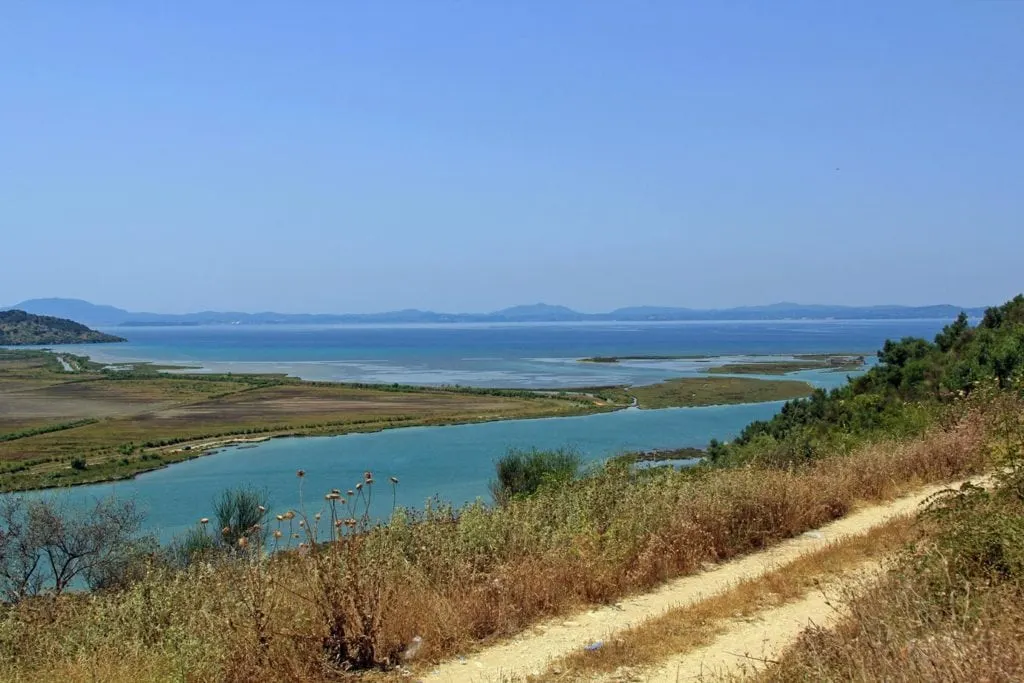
<point x="45" y="546"/>
<point x="952" y="334"/>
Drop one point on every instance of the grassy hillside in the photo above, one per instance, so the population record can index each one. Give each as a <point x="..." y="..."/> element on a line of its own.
<point x="19" y="328"/>
<point x="948" y="609"/>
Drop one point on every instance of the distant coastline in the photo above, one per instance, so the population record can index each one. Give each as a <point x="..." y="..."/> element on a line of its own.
<point x="93" y="314"/>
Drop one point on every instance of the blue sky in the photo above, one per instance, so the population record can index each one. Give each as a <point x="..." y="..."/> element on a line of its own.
<point x="360" y="156"/>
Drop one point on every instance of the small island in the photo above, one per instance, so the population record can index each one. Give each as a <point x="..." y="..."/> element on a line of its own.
<point x="800" y="362"/>
<point x="18" y="328"/>
<point x="660" y="455"/>
<point x="617" y="359"/>
<point x="688" y="392"/>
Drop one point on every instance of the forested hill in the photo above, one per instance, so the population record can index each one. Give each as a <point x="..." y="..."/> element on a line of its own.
<point x="899" y="395"/>
<point x="19" y="327"/>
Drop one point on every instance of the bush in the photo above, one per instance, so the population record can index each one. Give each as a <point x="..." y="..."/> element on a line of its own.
<point x="522" y="473"/>
<point x="194" y="545"/>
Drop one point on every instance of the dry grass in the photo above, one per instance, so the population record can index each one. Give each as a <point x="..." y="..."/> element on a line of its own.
<point x="949" y="611"/>
<point x="687" y="628"/>
<point x="896" y="634"/>
<point x="456" y="578"/>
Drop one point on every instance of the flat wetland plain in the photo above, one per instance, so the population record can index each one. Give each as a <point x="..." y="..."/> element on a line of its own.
<point x="60" y="428"/>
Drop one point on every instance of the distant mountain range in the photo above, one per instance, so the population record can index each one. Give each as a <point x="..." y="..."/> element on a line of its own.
<point x="92" y="314"/>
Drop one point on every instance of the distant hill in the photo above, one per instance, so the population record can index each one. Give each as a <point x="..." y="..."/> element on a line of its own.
<point x="538" y="313"/>
<point x="93" y="314"/>
<point x="19" y="327"/>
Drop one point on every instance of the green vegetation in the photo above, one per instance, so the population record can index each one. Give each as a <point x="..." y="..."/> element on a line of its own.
<point x="690" y="392"/>
<point x="522" y="473"/>
<point x="19" y="328"/>
<point x="781" y="367"/>
<point x="239" y="513"/>
<point x="706" y="391"/>
<point x="117" y="423"/>
<point x="831" y="357"/>
<point x="11" y="436"/>
<point x="45" y="546"/>
<point x="901" y="395"/>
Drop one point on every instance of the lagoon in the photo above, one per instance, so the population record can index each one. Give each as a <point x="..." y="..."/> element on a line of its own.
<point x="454" y="463"/>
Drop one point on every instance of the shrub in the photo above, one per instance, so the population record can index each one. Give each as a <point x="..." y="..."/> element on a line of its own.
<point x="195" y="544"/>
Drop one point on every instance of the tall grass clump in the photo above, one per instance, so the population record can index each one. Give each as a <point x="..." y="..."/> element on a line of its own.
<point x="521" y="473"/>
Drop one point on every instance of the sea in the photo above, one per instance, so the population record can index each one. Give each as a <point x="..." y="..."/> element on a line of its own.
<point x="455" y="463"/>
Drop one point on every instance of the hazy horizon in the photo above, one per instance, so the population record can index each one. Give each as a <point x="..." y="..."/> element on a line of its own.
<point x="597" y="311"/>
<point x="355" y="158"/>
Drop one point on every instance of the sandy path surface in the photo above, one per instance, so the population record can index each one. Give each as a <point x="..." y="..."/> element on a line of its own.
<point x="750" y="646"/>
<point x="531" y="652"/>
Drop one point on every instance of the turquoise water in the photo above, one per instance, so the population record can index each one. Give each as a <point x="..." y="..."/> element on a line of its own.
<point x="454" y="462"/>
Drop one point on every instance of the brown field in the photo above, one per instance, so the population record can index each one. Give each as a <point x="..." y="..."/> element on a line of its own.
<point x="329" y="403"/>
<point x="99" y="398"/>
